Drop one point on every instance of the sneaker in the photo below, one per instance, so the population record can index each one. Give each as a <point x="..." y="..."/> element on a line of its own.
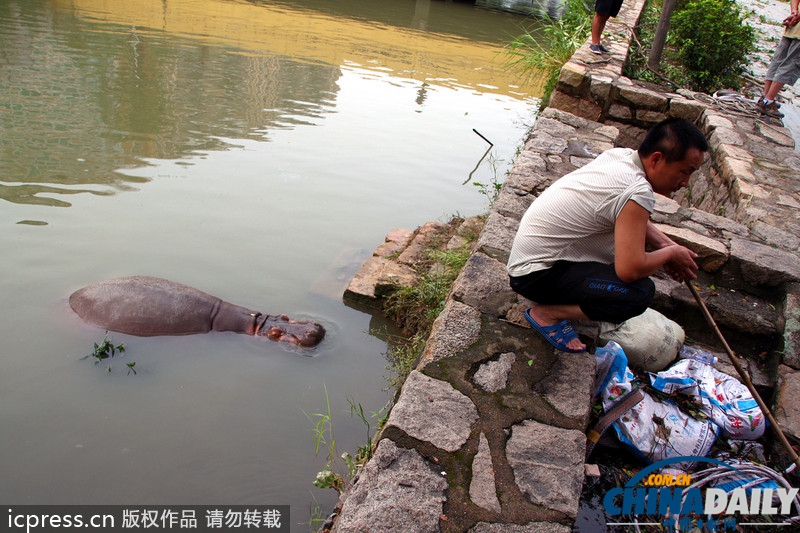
<point x="603" y="48"/>
<point x="769" y="109"/>
<point x="597" y="49"/>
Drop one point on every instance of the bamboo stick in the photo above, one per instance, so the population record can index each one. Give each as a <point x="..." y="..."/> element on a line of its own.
<point x="743" y="375"/>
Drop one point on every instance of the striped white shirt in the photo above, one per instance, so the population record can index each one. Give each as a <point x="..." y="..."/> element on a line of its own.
<point x="573" y="220"/>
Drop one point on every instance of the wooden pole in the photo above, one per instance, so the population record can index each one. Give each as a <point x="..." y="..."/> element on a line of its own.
<point x="745" y="378"/>
<point x="660" y="37"/>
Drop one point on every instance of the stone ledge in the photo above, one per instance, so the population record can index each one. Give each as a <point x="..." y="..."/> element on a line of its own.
<point x="432" y="411"/>
<point x="397" y="490"/>
<point x="548" y="464"/>
<point x="483" y="285"/>
<point x="447" y="408"/>
<point x="457" y="328"/>
<point x="378" y="277"/>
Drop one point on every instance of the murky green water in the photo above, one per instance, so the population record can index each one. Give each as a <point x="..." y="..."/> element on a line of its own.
<point x="256" y="150"/>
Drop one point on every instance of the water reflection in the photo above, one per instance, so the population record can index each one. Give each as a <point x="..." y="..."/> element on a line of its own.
<point x="540" y="8"/>
<point x="78" y="109"/>
<point x="91" y="87"/>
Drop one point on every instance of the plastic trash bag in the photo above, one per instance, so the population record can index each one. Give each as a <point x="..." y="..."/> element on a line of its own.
<point x="723" y="398"/>
<point x="657" y="430"/>
<point x="653" y="430"/>
<point x="612" y="364"/>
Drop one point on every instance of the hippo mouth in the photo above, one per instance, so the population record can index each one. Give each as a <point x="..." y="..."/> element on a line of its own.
<point x="281" y="328"/>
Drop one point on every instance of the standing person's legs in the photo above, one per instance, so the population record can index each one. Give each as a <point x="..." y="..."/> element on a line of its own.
<point x="783" y="70"/>
<point x="767" y="86"/>
<point x="779" y="58"/>
<point x="603" y="10"/>
<point x="598" y="25"/>
<point x="771" y="92"/>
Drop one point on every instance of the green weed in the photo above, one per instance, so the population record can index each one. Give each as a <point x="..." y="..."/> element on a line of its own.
<point x="315" y="517"/>
<point x="491" y="190"/>
<point x="416" y="307"/>
<point x="562" y="37"/>
<point x="107" y="350"/>
<point x="324" y="439"/>
<point x="339" y="471"/>
<point x="403" y="354"/>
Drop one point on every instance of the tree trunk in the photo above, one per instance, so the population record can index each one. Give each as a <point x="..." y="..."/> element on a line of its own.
<point x="660" y="36"/>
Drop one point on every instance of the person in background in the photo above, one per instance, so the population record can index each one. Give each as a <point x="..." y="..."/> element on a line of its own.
<point x="785" y="65"/>
<point x="586" y="246"/>
<point x="603" y="10"/>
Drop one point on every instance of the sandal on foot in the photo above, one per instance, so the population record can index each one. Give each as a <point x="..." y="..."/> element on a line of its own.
<point x="559" y="334"/>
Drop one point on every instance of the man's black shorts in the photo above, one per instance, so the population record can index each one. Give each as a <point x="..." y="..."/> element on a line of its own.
<point x="607" y="7"/>
<point x="594" y="287"/>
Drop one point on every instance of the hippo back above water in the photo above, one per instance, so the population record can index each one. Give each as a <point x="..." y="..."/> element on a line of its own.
<point x="148" y="306"/>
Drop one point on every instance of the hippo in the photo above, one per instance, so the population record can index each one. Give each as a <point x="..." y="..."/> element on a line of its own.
<point x="148" y="306"/>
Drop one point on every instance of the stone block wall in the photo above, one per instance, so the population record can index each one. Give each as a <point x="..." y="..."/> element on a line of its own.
<point x="753" y="174"/>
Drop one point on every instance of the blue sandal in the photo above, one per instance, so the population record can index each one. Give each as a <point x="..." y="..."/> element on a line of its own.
<point x="559" y="334"/>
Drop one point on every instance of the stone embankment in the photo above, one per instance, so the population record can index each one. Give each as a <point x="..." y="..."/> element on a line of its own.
<point x="487" y="434"/>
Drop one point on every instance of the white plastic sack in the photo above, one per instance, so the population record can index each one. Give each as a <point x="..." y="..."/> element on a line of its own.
<point x="651" y="429"/>
<point x="724" y="399"/>
<point x="657" y="430"/>
<point x="651" y="341"/>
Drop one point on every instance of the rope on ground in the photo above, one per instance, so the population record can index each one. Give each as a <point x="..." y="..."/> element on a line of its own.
<point x="727" y="101"/>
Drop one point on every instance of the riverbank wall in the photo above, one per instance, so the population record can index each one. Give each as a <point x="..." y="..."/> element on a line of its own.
<point x="487" y="433"/>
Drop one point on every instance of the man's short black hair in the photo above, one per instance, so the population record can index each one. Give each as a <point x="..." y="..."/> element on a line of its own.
<point x="673" y="137"/>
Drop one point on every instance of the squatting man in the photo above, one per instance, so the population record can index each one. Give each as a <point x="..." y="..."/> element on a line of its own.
<point x="586" y="247"/>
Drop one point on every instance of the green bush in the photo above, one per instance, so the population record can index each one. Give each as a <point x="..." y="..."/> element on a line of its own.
<point x="712" y="41"/>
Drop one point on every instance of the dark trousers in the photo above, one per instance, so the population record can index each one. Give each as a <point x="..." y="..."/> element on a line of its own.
<point x="594" y="287"/>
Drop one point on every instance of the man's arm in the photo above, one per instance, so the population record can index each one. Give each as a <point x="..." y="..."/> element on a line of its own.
<point x="632" y="262"/>
<point x="793" y="17"/>
<point x="655" y="238"/>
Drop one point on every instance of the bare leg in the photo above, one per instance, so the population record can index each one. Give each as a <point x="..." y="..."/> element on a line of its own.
<point x="547" y="315"/>
<point x="771" y="89"/>
<point x="598" y="25"/>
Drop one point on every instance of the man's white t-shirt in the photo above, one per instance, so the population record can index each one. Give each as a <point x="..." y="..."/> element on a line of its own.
<point x="573" y="220"/>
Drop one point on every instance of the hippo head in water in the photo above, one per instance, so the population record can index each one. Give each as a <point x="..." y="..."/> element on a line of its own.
<point x="284" y="329"/>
